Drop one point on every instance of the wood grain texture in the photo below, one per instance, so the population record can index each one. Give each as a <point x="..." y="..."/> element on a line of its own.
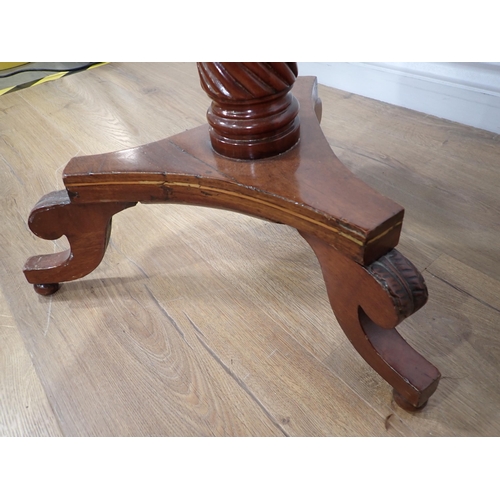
<point x="265" y="354"/>
<point x="24" y="409"/>
<point x="443" y="173"/>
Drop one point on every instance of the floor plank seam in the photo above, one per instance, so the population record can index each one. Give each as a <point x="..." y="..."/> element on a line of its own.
<point x="133" y="262"/>
<point x="422" y="271"/>
<point x="465" y="292"/>
<point x="241" y="383"/>
<point x="244" y="289"/>
<point x="57" y="418"/>
<point x="169" y="317"/>
<point x="378" y="411"/>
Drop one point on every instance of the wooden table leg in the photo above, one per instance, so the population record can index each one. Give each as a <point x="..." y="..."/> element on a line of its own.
<point x="87" y="228"/>
<point x="368" y="302"/>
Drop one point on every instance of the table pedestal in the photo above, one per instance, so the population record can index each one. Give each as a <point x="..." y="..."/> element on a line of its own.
<point x="352" y="229"/>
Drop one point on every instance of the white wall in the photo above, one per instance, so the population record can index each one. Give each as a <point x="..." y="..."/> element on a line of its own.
<point x="467" y="93"/>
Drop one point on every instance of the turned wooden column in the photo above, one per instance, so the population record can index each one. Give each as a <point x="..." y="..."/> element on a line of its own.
<point x="253" y="114"/>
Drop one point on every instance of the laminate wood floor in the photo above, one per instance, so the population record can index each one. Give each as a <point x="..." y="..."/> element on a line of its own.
<point x="202" y="322"/>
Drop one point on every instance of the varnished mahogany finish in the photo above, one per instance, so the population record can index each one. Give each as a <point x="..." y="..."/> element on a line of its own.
<point x="352" y="229"/>
<point x="253" y="114"/>
<point x="369" y="302"/>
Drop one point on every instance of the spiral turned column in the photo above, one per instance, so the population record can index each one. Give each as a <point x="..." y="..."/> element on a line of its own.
<point x="253" y="114"/>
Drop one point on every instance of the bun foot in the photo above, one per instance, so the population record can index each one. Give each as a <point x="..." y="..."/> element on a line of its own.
<point x="47" y="288"/>
<point x="406" y="405"/>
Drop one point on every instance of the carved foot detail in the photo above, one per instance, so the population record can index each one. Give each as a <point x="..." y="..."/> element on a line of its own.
<point x="87" y="227"/>
<point x="368" y="303"/>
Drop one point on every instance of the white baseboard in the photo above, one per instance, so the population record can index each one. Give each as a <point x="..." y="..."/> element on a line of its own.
<point x="467" y="93"/>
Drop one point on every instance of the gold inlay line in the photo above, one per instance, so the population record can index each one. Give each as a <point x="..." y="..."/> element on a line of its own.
<point x="238" y="195"/>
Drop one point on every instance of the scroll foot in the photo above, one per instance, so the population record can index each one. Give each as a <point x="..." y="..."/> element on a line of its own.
<point x="368" y="302"/>
<point x="87" y="227"/>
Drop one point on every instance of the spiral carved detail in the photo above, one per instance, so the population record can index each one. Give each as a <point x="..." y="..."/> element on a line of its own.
<point x="252" y="115"/>
<point x="244" y="81"/>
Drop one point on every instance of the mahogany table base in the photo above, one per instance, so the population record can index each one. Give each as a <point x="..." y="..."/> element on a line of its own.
<point x="352" y="229"/>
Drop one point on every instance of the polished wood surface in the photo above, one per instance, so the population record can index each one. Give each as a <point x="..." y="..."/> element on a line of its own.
<point x="253" y="113"/>
<point x="307" y="187"/>
<point x="367" y="301"/>
<point x="251" y="337"/>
